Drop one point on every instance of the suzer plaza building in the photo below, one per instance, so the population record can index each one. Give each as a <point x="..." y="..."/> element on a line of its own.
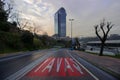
<point x="60" y="23"/>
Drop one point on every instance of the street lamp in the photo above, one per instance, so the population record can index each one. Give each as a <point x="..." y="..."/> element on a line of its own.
<point x="71" y="20"/>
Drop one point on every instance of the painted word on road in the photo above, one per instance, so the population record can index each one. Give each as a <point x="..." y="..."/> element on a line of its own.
<point x="58" y="67"/>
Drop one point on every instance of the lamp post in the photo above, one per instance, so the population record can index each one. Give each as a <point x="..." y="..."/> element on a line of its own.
<point x="71" y="20"/>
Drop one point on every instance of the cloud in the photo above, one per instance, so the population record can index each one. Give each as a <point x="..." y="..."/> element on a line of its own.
<point x="86" y="13"/>
<point x="36" y="11"/>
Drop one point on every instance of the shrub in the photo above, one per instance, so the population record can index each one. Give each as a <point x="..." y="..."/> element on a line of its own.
<point x="38" y="43"/>
<point x="11" y="40"/>
<point x="4" y="26"/>
<point x="27" y="39"/>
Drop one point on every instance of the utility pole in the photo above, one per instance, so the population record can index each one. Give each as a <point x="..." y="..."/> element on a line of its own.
<point x="71" y="20"/>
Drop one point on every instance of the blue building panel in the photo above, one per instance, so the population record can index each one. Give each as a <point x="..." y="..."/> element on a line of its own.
<point x="60" y="23"/>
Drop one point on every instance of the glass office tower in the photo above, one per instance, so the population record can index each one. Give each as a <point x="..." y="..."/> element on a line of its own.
<point x="60" y="23"/>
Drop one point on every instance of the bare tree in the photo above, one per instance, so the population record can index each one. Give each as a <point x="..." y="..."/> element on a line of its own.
<point x="45" y="33"/>
<point x="36" y="29"/>
<point x="22" y="24"/>
<point x="104" y="29"/>
<point x="10" y="7"/>
<point x="29" y="28"/>
<point x="5" y="10"/>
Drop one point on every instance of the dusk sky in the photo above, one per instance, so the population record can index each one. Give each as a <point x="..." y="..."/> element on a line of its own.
<point x="86" y="14"/>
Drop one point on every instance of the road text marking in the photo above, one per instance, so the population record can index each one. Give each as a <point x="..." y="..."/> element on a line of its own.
<point x="58" y="66"/>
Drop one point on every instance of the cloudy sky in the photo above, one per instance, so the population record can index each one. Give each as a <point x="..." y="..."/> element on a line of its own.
<point x="86" y="14"/>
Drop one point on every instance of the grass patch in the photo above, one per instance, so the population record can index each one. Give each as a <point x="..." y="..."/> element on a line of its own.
<point x="116" y="56"/>
<point x="91" y="53"/>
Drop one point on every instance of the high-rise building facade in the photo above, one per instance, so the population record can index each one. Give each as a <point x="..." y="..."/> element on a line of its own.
<point x="60" y="23"/>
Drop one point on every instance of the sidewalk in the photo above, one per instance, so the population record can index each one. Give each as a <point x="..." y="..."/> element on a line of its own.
<point x="108" y="64"/>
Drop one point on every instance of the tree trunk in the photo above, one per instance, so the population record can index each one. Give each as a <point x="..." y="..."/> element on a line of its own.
<point x="101" y="49"/>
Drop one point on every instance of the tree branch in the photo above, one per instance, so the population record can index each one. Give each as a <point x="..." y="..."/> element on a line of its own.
<point x="25" y="25"/>
<point x="109" y="27"/>
<point x="102" y="28"/>
<point x="9" y="9"/>
<point x="96" y="31"/>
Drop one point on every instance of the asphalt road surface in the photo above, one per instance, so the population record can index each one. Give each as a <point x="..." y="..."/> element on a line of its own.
<point x="52" y="64"/>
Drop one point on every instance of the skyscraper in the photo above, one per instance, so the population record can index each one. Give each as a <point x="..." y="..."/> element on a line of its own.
<point x="60" y="23"/>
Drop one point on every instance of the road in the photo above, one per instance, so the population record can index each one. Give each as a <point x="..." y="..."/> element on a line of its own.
<point x="52" y="64"/>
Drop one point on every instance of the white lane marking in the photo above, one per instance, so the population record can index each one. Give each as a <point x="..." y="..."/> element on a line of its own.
<point x="42" y="64"/>
<point x="67" y="66"/>
<point x="14" y="57"/>
<point x="19" y="74"/>
<point x="84" y="67"/>
<point x="49" y="66"/>
<point x="21" y="55"/>
<point x="59" y="61"/>
<point x="76" y="66"/>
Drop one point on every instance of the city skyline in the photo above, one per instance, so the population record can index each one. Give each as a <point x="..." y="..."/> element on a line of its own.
<point x="85" y="13"/>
